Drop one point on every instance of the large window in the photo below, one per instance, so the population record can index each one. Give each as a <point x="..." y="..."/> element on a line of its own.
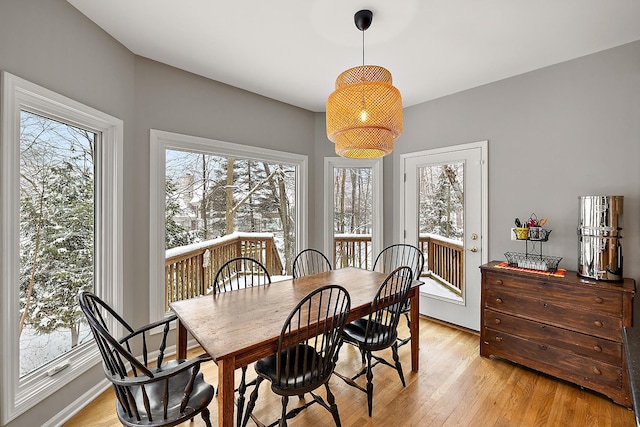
<point x="217" y="197"/>
<point x="60" y="233"/>
<point x="353" y="216"/>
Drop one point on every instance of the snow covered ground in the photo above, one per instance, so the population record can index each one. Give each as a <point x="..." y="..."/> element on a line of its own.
<point x="37" y="350"/>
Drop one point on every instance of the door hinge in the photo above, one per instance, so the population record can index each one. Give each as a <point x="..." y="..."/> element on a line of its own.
<point x="405" y="177"/>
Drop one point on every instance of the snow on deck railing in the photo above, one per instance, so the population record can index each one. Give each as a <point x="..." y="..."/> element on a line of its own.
<point x="190" y="269"/>
<point x="181" y="250"/>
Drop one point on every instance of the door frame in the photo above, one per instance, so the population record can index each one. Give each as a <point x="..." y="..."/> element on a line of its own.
<point x="484" y="210"/>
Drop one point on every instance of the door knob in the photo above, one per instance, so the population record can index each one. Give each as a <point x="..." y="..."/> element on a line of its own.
<point x="474" y="236"/>
<point x="473" y="249"/>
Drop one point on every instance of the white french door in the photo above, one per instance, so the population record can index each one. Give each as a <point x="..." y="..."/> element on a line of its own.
<point x="445" y="202"/>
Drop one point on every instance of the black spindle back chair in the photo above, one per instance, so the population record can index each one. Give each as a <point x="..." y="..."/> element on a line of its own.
<point x="378" y="330"/>
<point x="307" y="352"/>
<point x="148" y="392"/>
<point x="240" y="273"/>
<point x="310" y="261"/>
<point x="399" y="255"/>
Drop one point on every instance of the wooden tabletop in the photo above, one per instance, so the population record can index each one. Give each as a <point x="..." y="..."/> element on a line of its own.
<point x="231" y="324"/>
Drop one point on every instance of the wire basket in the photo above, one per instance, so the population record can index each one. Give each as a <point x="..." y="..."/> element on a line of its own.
<point x="532" y="261"/>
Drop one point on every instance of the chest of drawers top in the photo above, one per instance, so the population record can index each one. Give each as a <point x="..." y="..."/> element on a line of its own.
<point x="572" y="289"/>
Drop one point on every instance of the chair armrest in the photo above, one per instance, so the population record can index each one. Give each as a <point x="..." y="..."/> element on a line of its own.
<point x="148" y="327"/>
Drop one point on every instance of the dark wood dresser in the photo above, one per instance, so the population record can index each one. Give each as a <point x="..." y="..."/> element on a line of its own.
<point x="568" y="327"/>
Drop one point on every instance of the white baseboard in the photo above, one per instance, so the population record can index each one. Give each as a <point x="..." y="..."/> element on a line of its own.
<point x="67" y="413"/>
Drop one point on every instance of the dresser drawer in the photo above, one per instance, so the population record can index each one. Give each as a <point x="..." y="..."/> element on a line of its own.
<point x="582" y="344"/>
<point x="547" y="311"/>
<point x="591" y="298"/>
<point x="551" y="360"/>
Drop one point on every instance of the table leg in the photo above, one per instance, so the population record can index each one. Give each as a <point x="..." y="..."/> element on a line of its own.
<point x="182" y="341"/>
<point x="414" y="314"/>
<point x="226" y="393"/>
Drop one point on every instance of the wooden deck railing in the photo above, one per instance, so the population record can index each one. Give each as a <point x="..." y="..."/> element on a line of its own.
<point x="189" y="270"/>
<point x="444" y="258"/>
<point x="352" y="250"/>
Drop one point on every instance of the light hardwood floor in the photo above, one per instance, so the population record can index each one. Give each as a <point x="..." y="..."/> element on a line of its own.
<point x="454" y="387"/>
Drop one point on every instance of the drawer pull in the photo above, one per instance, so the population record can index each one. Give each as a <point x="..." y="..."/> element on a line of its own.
<point x="497" y="321"/>
<point x="499" y="300"/>
<point x="597" y="348"/>
<point x="598" y="323"/>
<point x="596" y="371"/>
<point x="598" y="300"/>
<point x="499" y="282"/>
<point x="545" y="305"/>
<point x="542" y="346"/>
<point x="498" y="339"/>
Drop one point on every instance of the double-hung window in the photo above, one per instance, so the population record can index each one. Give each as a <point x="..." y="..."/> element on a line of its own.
<point x="60" y="233"/>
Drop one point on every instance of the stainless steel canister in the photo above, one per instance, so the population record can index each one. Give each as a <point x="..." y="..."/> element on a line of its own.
<point x="600" y="237"/>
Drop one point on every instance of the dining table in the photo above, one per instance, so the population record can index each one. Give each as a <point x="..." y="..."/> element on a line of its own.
<point x="241" y="327"/>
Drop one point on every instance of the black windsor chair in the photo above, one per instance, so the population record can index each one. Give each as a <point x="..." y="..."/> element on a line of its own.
<point x="310" y="261"/>
<point x="378" y="330"/>
<point x="395" y="256"/>
<point x="166" y="394"/>
<point x="307" y="352"/>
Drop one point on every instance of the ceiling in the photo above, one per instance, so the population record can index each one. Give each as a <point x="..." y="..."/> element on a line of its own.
<point x="292" y="50"/>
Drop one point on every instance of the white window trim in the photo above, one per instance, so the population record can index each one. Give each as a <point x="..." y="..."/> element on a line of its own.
<point x="18" y="395"/>
<point x="160" y="141"/>
<point x="330" y="163"/>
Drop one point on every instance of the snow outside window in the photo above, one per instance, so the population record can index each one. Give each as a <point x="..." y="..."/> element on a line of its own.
<point x="60" y="233"/>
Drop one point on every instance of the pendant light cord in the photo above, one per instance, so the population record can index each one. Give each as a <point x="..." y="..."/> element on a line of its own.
<point x="363" y="48"/>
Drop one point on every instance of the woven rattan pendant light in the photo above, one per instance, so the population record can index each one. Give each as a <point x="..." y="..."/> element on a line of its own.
<point x="364" y="113"/>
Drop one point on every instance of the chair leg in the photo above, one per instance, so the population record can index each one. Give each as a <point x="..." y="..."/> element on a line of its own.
<point x="403" y="341"/>
<point x="206" y="416"/>
<point x="283" y="418"/>
<point x="394" y="349"/>
<point x="369" y="383"/>
<point x="252" y="402"/>
<point x="331" y="400"/>
<point x="242" y="388"/>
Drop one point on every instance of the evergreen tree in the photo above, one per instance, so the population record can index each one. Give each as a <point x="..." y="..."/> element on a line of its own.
<point x="64" y="263"/>
<point x="175" y="234"/>
<point x="442" y="203"/>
